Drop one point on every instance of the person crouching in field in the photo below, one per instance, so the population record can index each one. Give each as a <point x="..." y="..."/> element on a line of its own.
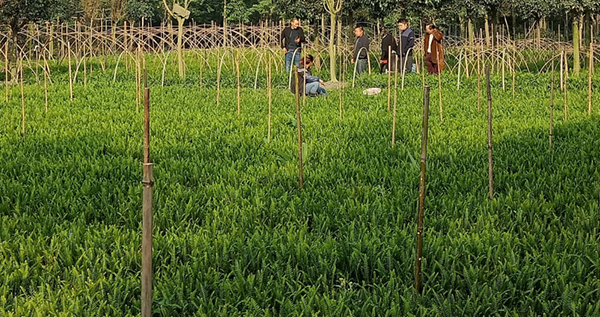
<point x="307" y="83"/>
<point x="434" y="51"/>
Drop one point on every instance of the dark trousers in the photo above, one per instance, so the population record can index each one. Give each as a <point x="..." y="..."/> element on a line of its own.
<point x="432" y="67"/>
<point x="405" y="63"/>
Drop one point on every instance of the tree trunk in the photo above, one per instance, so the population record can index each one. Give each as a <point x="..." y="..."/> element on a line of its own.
<point x="487" y="30"/>
<point x="180" y="61"/>
<point x="470" y="30"/>
<point x="332" y="48"/>
<point x="576" y="44"/>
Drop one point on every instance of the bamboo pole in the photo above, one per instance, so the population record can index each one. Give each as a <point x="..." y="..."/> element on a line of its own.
<point x="269" y="95"/>
<point x="458" y="77"/>
<point x="514" y="75"/>
<point x="562" y="58"/>
<point x="425" y="130"/>
<point x="566" y="90"/>
<point x="22" y="95"/>
<point x="70" y="70"/>
<point x="395" y="104"/>
<point x="490" y="161"/>
<point x="148" y="182"/>
<point x="299" y="125"/>
<point x="551" y="107"/>
<point x="6" y="67"/>
<point x="440" y="87"/>
<point x="46" y="67"/>
<point x="503" y="74"/>
<point x="590" y="72"/>
<point x="479" y="55"/>
<point x="389" y="76"/>
<point x="237" y="74"/>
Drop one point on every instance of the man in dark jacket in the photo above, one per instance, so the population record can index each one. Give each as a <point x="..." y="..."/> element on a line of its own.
<point x="291" y="40"/>
<point x="387" y="60"/>
<point x="407" y="40"/>
<point x="361" y="50"/>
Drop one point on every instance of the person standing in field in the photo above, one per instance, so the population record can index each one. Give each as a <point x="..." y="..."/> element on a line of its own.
<point x="434" y="50"/>
<point x="291" y="40"/>
<point x="388" y="52"/>
<point x="407" y="40"/>
<point x="361" y="49"/>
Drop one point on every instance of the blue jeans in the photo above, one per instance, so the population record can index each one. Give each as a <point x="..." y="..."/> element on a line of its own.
<point x="288" y="59"/>
<point x="361" y="66"/>
<point x="315" y="89"/>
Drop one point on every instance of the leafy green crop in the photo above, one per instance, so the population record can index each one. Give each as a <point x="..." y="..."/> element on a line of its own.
<point x="233" y="234"/>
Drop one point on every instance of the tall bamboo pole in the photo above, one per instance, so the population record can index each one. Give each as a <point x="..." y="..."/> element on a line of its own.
<point x="299" y="124"/>
<point x="237" y="74"/>
<point x="395" y="104"/>
<point x="551" y="106"/>
<point x="269" y="94"/>
<point x="425" y="130"/>
<point x="46" y="67"/>
<point x="590" y="71"/>
<point x="479" y="55"/>
<point x="566" y="90"/>
<point x="440" y="87"/>
<point x="22" y="94"/>
<point x="6" y="67"/>
<point x="148" y="182"/>
<point x="70" y="70"/>
<point x="562" y="57"/>
<point x="490" y="161"/>
<point x="389" y="76"/>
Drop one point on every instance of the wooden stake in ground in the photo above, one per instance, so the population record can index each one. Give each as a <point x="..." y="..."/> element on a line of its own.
<point x="237" y="74"/>
<point x="490" y="161"/>
<point x="422" y="188"/>
<point x="46" y="69"/>
<point x="70" y="71"/>
<point x="562" y="57"/>
<point x="566" y="90"/>
<point x="148" y="182"/>
<point x="551" y="106"/>
<point x="6" y="67"/>
<point x="389" y="73"/>
<point x="395" y="104"/>
<point x="440" y="87"/>
<point x="269" y="94"/>
<point x="299" y="124"/>
<point x="479" y="74"/>
<point x="22" y="95"/>
<point x="590" y="72"/>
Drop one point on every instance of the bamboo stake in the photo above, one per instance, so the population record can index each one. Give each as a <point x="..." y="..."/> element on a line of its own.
<point x="479" y="79"/>
<point x="148" y="182"/>
<point x="22" y="95"/>
<point x="70" y="71"/>
<point x="590" y="72"/>
<point x="395" y="104"/>
<point x="440" y="87"/>
<point x="490" y="161"/>
<point x="562" y="58"/>
<point x="503" y="62"/>
<point x="269" y="94"/>
<point x="237" y="73"/>
<point x="299" y="124"/>
<point x="514" y="75"/>
<point x="551" y="107"/>
<point x="566" y="92"/>
<point x="84" y="72"/>
<point x="6" y="67"/>
<point x="458" y="78"/>
<point x="389" y="73"/>
<point x="424" y="134"/>
<point x="341" y="81"/>
<point x="46" y="81"/>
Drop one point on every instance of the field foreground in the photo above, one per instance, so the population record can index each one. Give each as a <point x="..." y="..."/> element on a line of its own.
<point x="233" y="234"/>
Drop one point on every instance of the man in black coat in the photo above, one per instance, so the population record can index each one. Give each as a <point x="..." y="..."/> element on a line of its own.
<point x="361" y="50"/>
<point x="388" y="52"/>
<point x="291" y="40"/>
